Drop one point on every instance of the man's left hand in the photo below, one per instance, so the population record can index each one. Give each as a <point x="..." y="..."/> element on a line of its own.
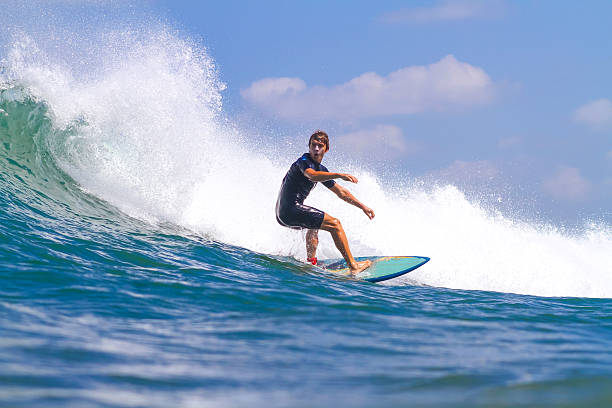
<point x="369" y="212"/>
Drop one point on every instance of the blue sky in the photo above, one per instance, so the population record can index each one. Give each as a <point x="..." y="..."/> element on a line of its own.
<point x="502" y="97"/>
<point x="486" y="94"/>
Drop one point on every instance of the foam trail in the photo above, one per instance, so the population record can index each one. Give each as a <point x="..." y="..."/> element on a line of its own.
<point x="146" y="132"/>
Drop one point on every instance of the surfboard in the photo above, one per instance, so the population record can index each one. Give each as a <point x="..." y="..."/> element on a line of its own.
<point x="383" y="267"/>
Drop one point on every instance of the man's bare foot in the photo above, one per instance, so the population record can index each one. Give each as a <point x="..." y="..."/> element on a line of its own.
<point x="361" y="266"/>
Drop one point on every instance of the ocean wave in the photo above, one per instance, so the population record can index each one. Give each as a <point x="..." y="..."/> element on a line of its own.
<point x="145" y="138"/>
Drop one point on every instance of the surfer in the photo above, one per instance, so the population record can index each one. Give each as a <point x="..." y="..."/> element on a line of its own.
<point x="291" y="212"/>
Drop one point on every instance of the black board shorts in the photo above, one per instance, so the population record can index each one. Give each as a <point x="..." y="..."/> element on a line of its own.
<point x="298" y="216"/>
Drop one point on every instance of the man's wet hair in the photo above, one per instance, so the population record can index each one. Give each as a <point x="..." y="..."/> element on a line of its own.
<point x="320" y="136"/>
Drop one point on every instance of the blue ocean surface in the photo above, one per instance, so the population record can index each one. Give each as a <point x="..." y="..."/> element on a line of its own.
<point x="132" y="274"/>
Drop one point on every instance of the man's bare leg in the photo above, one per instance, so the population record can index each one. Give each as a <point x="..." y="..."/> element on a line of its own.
<point x="333" y="225"/>
<point x="312" y="242"/>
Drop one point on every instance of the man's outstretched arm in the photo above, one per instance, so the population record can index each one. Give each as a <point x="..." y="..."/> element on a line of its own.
<point x="346" y="195"/>
<point x="314" y="175"/>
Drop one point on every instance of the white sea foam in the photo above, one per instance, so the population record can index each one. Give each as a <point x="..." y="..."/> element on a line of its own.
<point x="152" y="139"/>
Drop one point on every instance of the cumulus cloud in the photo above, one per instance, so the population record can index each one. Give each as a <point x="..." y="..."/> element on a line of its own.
<point x="596" y="114"/>
<point x="440" y="86"/>
<point x="449" y="10"/>
<point x="567" y="184"/>
<point x="470" y="172"/>
<point x="382" y="141"/>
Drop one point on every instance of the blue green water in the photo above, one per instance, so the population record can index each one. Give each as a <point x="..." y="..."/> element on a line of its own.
<point x="135" y="316"/>
<point x="116" y="291"/>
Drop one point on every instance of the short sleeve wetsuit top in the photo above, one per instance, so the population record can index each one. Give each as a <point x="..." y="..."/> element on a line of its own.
<point x="290" y="209"/>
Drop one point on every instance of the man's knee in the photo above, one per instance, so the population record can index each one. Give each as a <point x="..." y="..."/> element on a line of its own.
<point x="333" y="224"/>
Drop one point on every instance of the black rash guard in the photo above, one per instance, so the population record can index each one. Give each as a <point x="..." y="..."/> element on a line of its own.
<point x="290" y="209"/>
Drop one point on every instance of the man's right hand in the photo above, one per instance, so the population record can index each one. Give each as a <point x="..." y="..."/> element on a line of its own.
<point x="368" y="211"/>
<point x="348" y="177"/>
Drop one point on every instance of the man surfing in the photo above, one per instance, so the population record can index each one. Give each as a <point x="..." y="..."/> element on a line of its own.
<point x="291" y="212"/>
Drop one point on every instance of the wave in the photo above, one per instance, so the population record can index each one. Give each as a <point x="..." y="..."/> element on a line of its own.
<point x="145" y="133"/>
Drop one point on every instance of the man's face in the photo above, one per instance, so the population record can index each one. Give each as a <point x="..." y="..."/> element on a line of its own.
<point x="317" y="150"/>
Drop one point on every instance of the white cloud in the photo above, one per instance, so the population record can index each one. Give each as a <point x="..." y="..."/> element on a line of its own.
<point x="440" y="86"/>
<point x="596" y="114"/>
<point x="271" y="88"/>
<point x="567" y="184"/>
<point x="449" y="10"/>
<point x="380" y="142"/>
<point x="461" y="171"/>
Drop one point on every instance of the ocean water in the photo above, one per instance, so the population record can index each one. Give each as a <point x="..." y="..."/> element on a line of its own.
<point x="141" y="264"/>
